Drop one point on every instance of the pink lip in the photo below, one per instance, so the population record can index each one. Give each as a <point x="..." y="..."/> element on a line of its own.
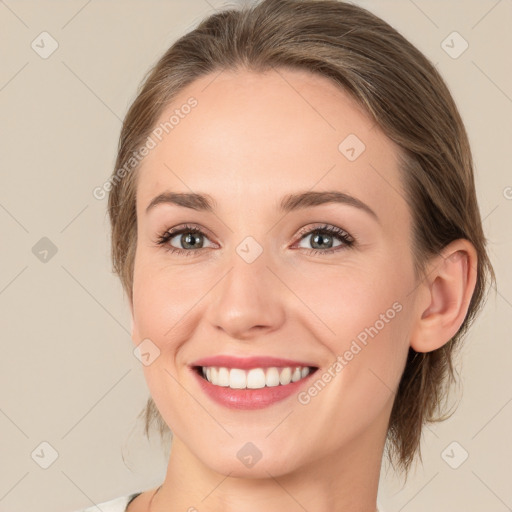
<point x="248" y="398"/>
<point x="245" y="363"/>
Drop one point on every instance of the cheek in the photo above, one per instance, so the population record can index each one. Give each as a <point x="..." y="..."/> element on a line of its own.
<point x="370" y="350"/>
<point x="168" y="305"/>
<point x="161" y="299"/>
<point x="349" y="297"/>
<point x="160" y="307"/>
<point x="368" y="315"/>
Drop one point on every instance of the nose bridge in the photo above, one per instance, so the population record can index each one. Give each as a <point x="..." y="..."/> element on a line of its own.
<point x="246" y="297"/>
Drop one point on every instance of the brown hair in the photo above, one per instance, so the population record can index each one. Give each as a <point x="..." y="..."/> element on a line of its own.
<point x="405" y="95"/>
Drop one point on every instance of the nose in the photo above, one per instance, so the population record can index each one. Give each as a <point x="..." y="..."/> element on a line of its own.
<point x="248" y="301"/>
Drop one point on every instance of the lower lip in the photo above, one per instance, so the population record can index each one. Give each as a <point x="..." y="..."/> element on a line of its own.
<point x="249" y="398"/>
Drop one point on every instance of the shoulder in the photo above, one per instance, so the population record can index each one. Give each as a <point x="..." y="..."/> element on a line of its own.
<point x="114" y="505"/>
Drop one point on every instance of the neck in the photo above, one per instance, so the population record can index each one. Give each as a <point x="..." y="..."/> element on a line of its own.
<point x="345" y="480"/>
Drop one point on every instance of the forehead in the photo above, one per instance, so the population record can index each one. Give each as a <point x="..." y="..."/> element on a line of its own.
<point x="257" y="136"/>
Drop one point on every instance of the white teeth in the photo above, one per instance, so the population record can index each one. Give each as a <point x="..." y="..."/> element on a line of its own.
<point x="223" y="377"/>
<point x="237" y="379"/>
<point x="272" y="378"/>
<point x="285" y="376"/>
<point x="296" y="375"/>
<point x="254" y="378"/>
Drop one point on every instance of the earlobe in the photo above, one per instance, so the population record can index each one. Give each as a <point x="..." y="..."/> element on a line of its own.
<point x="444" y="296"/>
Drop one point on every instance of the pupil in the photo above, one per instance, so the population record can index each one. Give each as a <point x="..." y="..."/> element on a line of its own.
<point x="322" y="238"/>
<point x="189" y="240"/>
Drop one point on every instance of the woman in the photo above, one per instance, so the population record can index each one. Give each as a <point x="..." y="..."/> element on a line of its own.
<point x="294" y="221"/>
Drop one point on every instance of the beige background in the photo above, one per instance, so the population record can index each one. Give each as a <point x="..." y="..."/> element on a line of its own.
<point x="67" y="373"/>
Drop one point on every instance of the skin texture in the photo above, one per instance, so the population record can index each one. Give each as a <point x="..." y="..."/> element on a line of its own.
<point x="252" y="139"/>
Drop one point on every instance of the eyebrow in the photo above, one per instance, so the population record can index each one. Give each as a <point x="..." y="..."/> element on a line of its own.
<point x="291" y="202"/>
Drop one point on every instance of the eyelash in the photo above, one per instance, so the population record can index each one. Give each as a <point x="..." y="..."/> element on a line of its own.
<point x="348" y="241"/>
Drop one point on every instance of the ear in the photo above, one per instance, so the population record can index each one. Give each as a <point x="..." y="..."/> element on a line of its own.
<point x="444" y="295"/>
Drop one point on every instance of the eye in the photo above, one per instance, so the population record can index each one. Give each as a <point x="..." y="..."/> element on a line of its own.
<point x="189" y="237"/>
<point x="192" y="238"/>
<point x="322" y="239"/>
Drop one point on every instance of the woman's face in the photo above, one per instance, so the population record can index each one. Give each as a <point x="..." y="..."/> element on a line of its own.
<point x="257" y="281"/>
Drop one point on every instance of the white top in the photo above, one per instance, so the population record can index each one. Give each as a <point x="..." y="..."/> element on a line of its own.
<point x="115" y="505"/>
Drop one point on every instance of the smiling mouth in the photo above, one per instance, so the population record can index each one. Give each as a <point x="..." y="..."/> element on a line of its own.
<point x="255" y="378"/>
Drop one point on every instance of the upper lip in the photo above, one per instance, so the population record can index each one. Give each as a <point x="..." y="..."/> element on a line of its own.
<point x="226" y="361"/>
